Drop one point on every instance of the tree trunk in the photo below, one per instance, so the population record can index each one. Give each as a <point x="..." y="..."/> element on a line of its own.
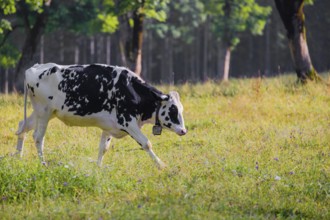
<point x="226" y="64"/>
<point x="227" y="40"/>
<point x="84" y="47"/>
<point x="149" y="59"/>
<point x="42" y="47"/>
<point x="196" y="44"/>
<point x="170" y="61"/>
<point x="137" y="41"/>
<point x="219" y="61"/>
<point x="108" y="50"/>
<point x="6" y="81"/>
<point x="164" y="78"/>
<point x="293" y="18"/>
<point x="205" y="50"/>
<point x="61" y="50"/>
<point x="92" y="49"/>
<point x="77" y="50"/>
<point x="32" y="39"/>
<point x="123" y="40"/>
<point x="192" y="62"/>
<point x="267" y="49"/>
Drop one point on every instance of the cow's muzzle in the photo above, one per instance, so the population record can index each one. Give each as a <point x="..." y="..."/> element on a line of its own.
<point x="182" y="132"/>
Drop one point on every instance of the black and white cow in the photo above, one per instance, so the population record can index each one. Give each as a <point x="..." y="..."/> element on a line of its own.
<point x="109" y="97"/>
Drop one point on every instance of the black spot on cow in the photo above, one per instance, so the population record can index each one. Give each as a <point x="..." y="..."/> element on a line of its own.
<point x="50" y="97"/>
<point x="42" y="74"/>
<point x="37" y="84"/>
<point x="167" y="118"/>
<point x="62" y="107"/>
<point x="114" y="74"/>
<point x="168" y="125"/>
<point x="163" y="113"/>
<point x="139" y="98"/>
<point x="31" y="89"/>
<point x="82" y="86"/>
<point x="120" y="120"/>
<point x="53" y="70"/>
<point x="173" y="113"/>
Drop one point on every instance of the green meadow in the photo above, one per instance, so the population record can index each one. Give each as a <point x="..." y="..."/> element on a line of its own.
<point x="255" y="149"/>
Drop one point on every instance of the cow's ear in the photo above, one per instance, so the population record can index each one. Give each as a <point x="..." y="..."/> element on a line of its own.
<point x="175" y="95"/>
<point x="160" y="96"/>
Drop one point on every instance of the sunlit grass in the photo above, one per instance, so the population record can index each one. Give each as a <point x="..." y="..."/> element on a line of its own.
<point x="255" y="149"/>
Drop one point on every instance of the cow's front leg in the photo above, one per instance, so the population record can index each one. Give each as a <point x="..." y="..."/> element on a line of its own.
<point x="148" y="147"/>
<point x="136" y="133"/>
<point x="104" y="146"/>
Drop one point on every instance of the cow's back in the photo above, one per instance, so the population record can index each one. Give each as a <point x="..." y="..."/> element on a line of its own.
<point x="76" y="91"/>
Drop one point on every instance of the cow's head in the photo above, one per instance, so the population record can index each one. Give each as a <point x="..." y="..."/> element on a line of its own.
<point x="170" y="113"/>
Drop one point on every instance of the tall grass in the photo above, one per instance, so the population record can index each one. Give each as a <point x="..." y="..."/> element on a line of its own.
<point x="255" y="149"/>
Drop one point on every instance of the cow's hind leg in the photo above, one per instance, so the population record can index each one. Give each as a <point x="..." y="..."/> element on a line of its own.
<point x="104" y="146"/>
<point x="39" y="133"/>
<point x="23" y="128"/>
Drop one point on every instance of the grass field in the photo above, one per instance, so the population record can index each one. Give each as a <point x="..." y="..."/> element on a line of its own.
<point x="255" y="149"/>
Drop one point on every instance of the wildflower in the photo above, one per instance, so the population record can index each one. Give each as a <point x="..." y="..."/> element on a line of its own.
<point x="65" y="184"/>
<point x="291" y="173"/>
<point x="277" y="178"/>
<point x="276" y="158"/>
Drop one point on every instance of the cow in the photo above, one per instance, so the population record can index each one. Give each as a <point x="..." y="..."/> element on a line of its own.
<point x="111" y="98"/>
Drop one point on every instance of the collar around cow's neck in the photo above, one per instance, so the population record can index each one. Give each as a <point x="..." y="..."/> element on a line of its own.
<point x="157" y="128"/>
<point x="158" y="105"/>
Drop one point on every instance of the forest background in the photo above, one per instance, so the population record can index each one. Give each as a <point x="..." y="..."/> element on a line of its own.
<point x="183" y="41"/>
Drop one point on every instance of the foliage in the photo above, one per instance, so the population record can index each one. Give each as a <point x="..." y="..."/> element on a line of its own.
<point x="154" y="9"/>
<point x="109" y="23"/>
<point x="77" y="16"/>
<point x="8" y="6"/>
<point x="5" y="25"/>
<point x="309" y="2"/>
<point x="229" y="18"/>
<point x="9" y="53"/>
<point x="255" y="149"/>
<point x="9" y="56"/>
<point x="184" y="17"/>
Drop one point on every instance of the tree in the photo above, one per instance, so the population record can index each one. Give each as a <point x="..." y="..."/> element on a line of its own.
<point x="40" y="16"/>
<point x="231" y="17"/>
<point x="33" y="32"/>
<point x="9" y="54"/>
<point x="293" y="18"/>
<point x="133" y="14"/>
<point x="184" y="19"/>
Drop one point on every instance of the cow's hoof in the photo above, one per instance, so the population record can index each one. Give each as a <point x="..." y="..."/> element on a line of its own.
<point x="17" y="154"/>
<point x="161" y="165"/>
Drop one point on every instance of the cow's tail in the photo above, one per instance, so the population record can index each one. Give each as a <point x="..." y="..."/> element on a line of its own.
<point x="21" y="128"/>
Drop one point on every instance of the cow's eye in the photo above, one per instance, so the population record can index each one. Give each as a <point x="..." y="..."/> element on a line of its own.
<point x="173" y="113"/>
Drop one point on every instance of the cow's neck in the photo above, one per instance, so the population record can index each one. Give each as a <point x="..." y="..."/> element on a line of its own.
<point x="158" y="105"/>
<point x="154" y="114"/>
